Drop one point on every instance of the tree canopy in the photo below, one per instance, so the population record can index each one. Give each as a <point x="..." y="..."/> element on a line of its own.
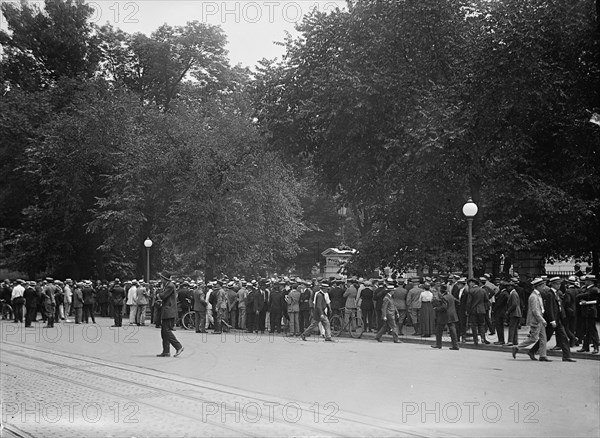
<point x="409" y="108"/>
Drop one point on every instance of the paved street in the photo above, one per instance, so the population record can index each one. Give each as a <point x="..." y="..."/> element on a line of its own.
<point x="94" y="380"/>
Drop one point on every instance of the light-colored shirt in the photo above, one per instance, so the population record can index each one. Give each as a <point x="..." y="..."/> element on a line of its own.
<point x="131" y="296"/>
<point x="426" y="296"/>
<point x="17" y="291"/>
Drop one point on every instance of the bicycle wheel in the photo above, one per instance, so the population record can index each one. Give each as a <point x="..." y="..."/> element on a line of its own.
<point x="356" y="327"/>
<point x="189" y="321"/>
<point x="336" y="324"/>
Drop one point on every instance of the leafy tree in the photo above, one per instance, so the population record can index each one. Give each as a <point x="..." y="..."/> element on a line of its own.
<point x="406" y="108"/>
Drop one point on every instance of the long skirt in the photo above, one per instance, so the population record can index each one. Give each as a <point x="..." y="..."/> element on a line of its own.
<point x="427" y="319"/>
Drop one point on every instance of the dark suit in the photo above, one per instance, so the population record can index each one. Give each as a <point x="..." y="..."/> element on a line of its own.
<point x="445" y="310"/>
<point x="261" y="306"/>
<point x="589" y="313"/>
<point x="31" y="303"/>
<point x="89" y="299"/>
<point x="570" y="303"/>
<point x="499" y="312"/>
<point x="461" y="308"/>
<point x="554" y="312"/>
<point x="477" y="305"/>
<point x="513" y="311"/>
<point x="168" y="314"/>
<point x="276" y="305"/>
<point x="117" y="293"/>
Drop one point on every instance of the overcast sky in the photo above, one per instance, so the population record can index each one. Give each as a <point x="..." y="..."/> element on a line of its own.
<point x="251" y="26"/>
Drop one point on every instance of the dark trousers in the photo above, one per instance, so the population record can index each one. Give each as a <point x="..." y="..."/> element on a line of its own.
<point x="30" y="316"/>
<point x="513" y="330"/>
<point x="118" y="315"/>
<point x="439" y="329"/>
<point x="367" y="317"/>
<point x="50" y="315"/>
<point x="167" y="335"/>
<point x="200" y="320"/>
<point x="250" y="319"/>
<point x="499" y="325"/>
<point x="275" y="318"/>
<point x="88" y="311"/>
<point x="561" y="340"/>
<point x="591" y="334"/>
<point x="261" y="320"/>
<point x="78" y="312"/>
<point x="462" y="323"/>
<point x="303" y="319"/>
<point x="478" y="327"/>
<point x="488" y="322"/>
<point x="103" y="309"/>
<point x="17" y="305"/>
<point x="157" y="311"/>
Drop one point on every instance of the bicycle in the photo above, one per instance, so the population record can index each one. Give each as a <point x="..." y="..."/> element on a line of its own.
<point x="352" y="326"/>
<point x="188" y="322"/>
<point x="7" y="310"/>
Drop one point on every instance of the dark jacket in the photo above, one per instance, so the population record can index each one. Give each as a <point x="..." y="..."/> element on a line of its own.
<point x="169" y="301"/>
<point x="88" y="295"/>
<point x="513" y="309"/>
<point x="305" y="300"/>
<point x="117" y="293"/>
<point x="366" y="299"/>
<point x="32" y="297"/>
<point x="277" y="301"/>
<point x="199" y="300"/>
<point x="477" y="301"/>
<point x="77" y="298"/>
<point x="501" y="303"/>
<point x="260" y="302"/>
<point x="336" y="295"/>
<point x="445" y="309"/>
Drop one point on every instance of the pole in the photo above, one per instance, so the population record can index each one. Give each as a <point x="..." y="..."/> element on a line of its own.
<point x="148" y="265"/>
<point x="470" y="222"/>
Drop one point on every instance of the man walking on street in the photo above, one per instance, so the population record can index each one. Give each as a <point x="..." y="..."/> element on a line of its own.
<point x="536" y="323"/>
<point x="445" y="308"/>
<point x="388" y="316"/>
<point x="319" y="314"/>
<point x="168" y="314"/>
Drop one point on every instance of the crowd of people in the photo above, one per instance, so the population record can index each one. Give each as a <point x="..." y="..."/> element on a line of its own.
<point x="467" y="308"/>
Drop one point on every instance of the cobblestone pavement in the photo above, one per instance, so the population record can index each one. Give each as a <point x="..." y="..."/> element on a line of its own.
<point x="51" y="394"/>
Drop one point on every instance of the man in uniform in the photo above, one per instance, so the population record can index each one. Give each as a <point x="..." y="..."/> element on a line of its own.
<point x="168" y="314"/>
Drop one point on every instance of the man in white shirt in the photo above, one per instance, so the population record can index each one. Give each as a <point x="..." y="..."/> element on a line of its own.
<point x="18" y="300"/>
<point x="68" y="293"/>
<point x="131" y="302"/>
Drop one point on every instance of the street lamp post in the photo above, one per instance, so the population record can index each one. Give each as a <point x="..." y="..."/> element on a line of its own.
<point x="148" y="245"/>
<point x="342" y="211"/>
<point x="470" y="210"/>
